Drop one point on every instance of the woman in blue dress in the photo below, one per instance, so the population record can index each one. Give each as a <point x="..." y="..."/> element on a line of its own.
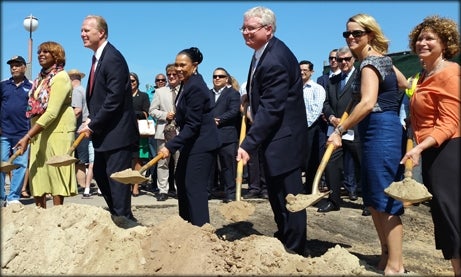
<point x="381" y="134"/>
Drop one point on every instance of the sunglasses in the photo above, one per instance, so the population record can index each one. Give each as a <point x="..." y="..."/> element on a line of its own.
<point x="332" y="58"/>
<point x="132" y="80"/>
<point x="347" y="59"/>
<point x="160" y="80"/>
<point x="355" y="33"/>
<point x="219" y="76"/>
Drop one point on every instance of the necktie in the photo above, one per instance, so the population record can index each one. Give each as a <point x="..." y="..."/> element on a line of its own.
<point x="173" y="95"/>
<point x="253" y="67"/>
<point x="343" y="81"/>
<point x="93" y="62"/>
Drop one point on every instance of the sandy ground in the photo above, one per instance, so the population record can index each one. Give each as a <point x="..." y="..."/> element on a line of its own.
<point x="83" y="239"/>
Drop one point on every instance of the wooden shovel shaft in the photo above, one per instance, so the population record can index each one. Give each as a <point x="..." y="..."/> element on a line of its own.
<point x="409" y="162"/>
<point x="239" y="176"/>
<point x="328" y="152"/>
<point x="76" y="143"/>
<point x="151" y="163"/>
<point x="15" y="155"/>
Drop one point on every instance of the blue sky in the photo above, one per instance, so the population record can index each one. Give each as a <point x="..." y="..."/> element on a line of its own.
<point x="150" y="34"/>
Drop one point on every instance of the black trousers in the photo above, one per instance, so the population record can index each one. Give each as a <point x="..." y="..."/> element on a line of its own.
<point x="291" y="227"/>
<point x="117" y="195"/>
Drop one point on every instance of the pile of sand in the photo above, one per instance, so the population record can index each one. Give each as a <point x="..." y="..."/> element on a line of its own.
<point x="81" y="239"/>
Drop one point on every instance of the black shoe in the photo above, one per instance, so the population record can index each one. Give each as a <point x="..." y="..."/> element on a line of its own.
<point x="353" y="196"/>
<point x="227" y="200"/>
<point x="252" y="195"/>
<point x="264" y="195"/>
<point x="366" y="211"/>
<point x="172" y="194"/>
<point x="86" y="196"/>
<point x="328" y="208"/>
<point x="162" y="197"/>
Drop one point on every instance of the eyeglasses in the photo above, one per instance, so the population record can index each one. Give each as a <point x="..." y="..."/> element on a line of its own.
<point x="332" y="58"/>
<point x="160" y="80"/>
<point x="355" y="33"/>
<point x="250" y="29"/>
<point x="172" y="74"/>
<point x="347" y="59"/>
<point x="219" y="76"/>
<point x="132" y="80"/>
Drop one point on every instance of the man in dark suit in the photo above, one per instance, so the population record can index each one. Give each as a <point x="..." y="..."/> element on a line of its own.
<point x="334" y="70"/>
<point x="112" y="122"/>
<point x="348" y="157"/>
<point x="277" y="108"/>
<point x="226" y="113"/>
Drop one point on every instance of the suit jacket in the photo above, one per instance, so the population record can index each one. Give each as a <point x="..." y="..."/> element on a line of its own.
<point x="110" y="103"/>
<point x="323" y="80"/>
<point x="278" y="110"/>
<point x="336" y="101"/>
<point x="141" y="105"/>
<point x="227" y="110"/>
<point x="161" y="105"/>
<point x="197" y="128"/>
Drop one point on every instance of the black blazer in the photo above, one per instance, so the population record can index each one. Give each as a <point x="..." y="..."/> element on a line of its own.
<point x="197" y="128"/>
<point x="227" y="110"/>
<point x="323" y="80"/>
<point x="110" y="104"/>
<point x="278" y="110"/>
<point x="336" y="101"/>
<point x="141" y="105"/>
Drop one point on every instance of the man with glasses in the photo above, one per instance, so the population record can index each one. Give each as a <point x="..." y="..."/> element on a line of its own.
<point x="226" y="113"/>
<point x="334" y="69"/>
<point x="163" y="110"/>
<point x="347" y="158"/>
<point x="160" y="80"/>
<point x="275" y="96"/>
<point x="14" y="94"/>
<point x="314" y="96"/>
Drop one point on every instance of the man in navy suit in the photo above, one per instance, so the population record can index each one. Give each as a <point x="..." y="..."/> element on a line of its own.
<point x="277" y="108"/>
<point x="112" y="122"/>
<point x="348" y="157"/>
<point x="226" y="113"/>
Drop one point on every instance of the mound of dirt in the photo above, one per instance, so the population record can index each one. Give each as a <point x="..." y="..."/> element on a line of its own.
<point x="76" y="239"/>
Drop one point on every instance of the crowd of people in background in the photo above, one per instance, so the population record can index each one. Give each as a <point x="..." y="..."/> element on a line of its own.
<point x="290" y="117"/>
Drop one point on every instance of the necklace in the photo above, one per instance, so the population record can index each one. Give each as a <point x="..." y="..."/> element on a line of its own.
<point x="436" y="68"/>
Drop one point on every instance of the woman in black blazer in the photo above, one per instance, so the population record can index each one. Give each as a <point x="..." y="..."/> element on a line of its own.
<point x="141" y="109"/>
<point x="197" y="139"/>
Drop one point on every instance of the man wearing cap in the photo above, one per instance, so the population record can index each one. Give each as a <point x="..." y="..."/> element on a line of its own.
<point x="14" y="96"/>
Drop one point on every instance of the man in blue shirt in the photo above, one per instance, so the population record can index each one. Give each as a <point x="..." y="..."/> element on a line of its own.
<point x="14" y="95"/>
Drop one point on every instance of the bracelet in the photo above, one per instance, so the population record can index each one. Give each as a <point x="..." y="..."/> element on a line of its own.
<point x="28" y="136"/>
<point x="340" y="130"/>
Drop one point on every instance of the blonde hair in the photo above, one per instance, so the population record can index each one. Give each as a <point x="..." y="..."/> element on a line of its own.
<point x="379" y="42"/>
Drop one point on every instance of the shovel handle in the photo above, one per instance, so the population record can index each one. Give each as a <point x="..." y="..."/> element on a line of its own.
<point x="76" y="143"/>
<point x="239" y="176"/>
<point x="15" y="155"/>
<point x="151" y="163"/>
<point x="329" y="151"/>
<point x="409" y="162"/>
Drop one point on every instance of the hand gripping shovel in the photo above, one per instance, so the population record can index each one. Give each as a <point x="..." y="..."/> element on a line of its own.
<point x="238" y="210"/>
<point x="296" y="203"/>
<point x="129" y="176"/>
<point x="408" y="190"/>
<point x="66" y="159"/>
<point x="8" y="166"/>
